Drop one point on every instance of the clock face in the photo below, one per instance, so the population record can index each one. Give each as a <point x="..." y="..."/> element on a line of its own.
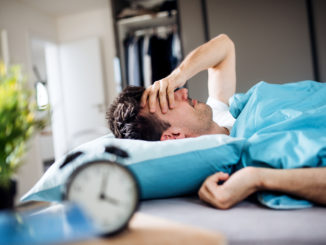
<point x="108" y="193"/>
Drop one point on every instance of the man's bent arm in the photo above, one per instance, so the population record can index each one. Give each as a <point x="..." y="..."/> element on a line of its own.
<point x="308" y="183"/>
<point x="217" y="56"/>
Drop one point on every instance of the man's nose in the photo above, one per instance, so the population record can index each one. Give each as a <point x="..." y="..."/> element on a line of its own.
<point x="181" y="94"/>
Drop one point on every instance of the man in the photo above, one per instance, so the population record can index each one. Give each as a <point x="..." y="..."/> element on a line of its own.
<point x="163" y="111"/>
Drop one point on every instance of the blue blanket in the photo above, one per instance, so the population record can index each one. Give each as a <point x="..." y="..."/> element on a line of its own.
<point x="285" y="128"/>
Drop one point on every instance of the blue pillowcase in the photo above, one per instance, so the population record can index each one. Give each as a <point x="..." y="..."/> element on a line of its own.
<point x="162" y="168"/>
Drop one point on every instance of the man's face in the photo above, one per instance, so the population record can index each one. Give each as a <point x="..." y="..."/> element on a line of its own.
<point x="189" y="117"/>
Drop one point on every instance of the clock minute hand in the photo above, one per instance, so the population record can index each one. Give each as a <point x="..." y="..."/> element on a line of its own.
<point x="103" y="185"/>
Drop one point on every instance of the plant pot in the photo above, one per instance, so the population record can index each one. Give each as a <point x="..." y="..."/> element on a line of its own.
<point x="7" y="195"/>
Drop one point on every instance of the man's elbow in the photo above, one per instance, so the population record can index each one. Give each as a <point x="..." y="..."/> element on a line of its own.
<point x="227" y="40"/>
<point x="225" y="37"/>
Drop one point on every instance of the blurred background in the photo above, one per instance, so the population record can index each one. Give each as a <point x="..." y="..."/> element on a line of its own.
<point x="78" y="55"/>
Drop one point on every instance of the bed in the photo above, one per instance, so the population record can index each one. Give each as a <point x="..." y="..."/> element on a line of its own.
<point x="246" y="223"/>
<point x="269" y="132"/>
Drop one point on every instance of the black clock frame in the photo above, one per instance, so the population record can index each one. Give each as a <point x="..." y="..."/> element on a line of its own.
<point x="70" y="179"/>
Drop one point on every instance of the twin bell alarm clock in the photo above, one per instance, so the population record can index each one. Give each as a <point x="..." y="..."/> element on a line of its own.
<point x="105" y="189"/>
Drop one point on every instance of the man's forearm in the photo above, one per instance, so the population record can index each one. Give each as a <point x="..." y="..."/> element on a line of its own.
<point x="206" y="56"/>
<point x="217" y="56"/>
<point x="308" y="183"/>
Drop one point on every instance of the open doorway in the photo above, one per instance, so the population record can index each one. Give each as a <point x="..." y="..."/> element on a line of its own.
<point x="69" y="74"/>
<point x="40" y="82"/>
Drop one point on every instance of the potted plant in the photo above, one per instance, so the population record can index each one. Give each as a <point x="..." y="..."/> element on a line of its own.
<point x="18" y="122"/>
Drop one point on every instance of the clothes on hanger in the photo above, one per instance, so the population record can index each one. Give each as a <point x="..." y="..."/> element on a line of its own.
<point x="160" y="57"/>
<point x="151" y="54"/>
<point x="147" y="62"/>
<point x="176" y="51"/>
<point x="133" y="63"/>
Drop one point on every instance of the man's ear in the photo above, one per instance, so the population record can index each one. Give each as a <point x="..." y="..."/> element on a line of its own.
<point x="172" y="134"/>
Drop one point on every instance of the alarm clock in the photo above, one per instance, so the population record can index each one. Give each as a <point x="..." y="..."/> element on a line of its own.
<point x="107" y="191"/>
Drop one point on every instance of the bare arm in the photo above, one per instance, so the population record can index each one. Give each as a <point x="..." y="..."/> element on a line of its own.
<point x="307" y="183"/>
<point x="217" y="56"/>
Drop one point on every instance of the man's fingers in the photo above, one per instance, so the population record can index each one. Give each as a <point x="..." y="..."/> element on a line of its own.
<point x="213" y="193"/>
<point x="217" y="177"/>
<point x="144" y="97"/>
<point x="204" y="195"/>
<point x="164" y="91"/>
<point x="153" y="96"/>
<point x="170" y="96"/>
<point x="212" y="187"/>
<point x="162" y="97"/>
<point x="211" y="182"/>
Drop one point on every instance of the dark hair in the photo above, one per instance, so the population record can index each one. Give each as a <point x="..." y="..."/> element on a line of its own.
<point x="125" y="121"/>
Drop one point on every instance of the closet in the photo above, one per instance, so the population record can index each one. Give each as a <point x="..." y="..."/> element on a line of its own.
<point x="277" y="41"/>
<point x="147" y="39"/>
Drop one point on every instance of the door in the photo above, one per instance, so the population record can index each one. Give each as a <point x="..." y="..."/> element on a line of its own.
<point x="80" y="111"/>
<point x="82" y="82"/>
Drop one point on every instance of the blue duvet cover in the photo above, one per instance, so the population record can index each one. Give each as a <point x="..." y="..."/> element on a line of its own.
<point x="285" y="128"/>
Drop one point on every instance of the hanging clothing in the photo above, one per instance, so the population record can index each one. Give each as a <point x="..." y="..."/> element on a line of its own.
<point x="126" y="44"/>
<point x="176" y="50"/>
<point x="147" y="62"/>
<point x="151" y="55"/>
<point x="133" y="63"/>
<point x="160" y="57"/>
<point x="140" y="44"/>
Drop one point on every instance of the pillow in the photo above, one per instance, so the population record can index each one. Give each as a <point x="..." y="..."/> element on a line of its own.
<point x="162" y="168"/>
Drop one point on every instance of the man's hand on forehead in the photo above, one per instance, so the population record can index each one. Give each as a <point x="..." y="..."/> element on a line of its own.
<point x="164" y="91"/>
<point x="159" y="91"/>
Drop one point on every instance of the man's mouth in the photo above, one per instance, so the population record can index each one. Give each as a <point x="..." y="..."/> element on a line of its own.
<point x="192" y="102"/>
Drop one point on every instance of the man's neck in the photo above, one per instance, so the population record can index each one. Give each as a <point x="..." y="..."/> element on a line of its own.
<point x="213" y="129"/>
<point x="216" y="129"/>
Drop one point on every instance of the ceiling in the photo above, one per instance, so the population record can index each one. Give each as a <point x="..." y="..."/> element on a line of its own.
<point x="57" y="8"/>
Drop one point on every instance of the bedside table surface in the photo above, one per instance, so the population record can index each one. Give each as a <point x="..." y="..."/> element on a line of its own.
<point x="147" y="230"/>
<point x="143" y="229"/>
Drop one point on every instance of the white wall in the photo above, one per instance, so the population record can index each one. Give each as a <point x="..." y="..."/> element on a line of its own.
<point x="22" y="23"/>
<point x="95" y="23"/>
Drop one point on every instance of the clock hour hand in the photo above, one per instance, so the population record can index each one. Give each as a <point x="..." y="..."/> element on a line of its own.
<point x="103" y="196"/>
<point x="110" y="200"/>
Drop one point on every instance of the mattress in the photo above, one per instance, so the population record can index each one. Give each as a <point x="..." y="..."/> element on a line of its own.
<point x="246" y="223"/>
